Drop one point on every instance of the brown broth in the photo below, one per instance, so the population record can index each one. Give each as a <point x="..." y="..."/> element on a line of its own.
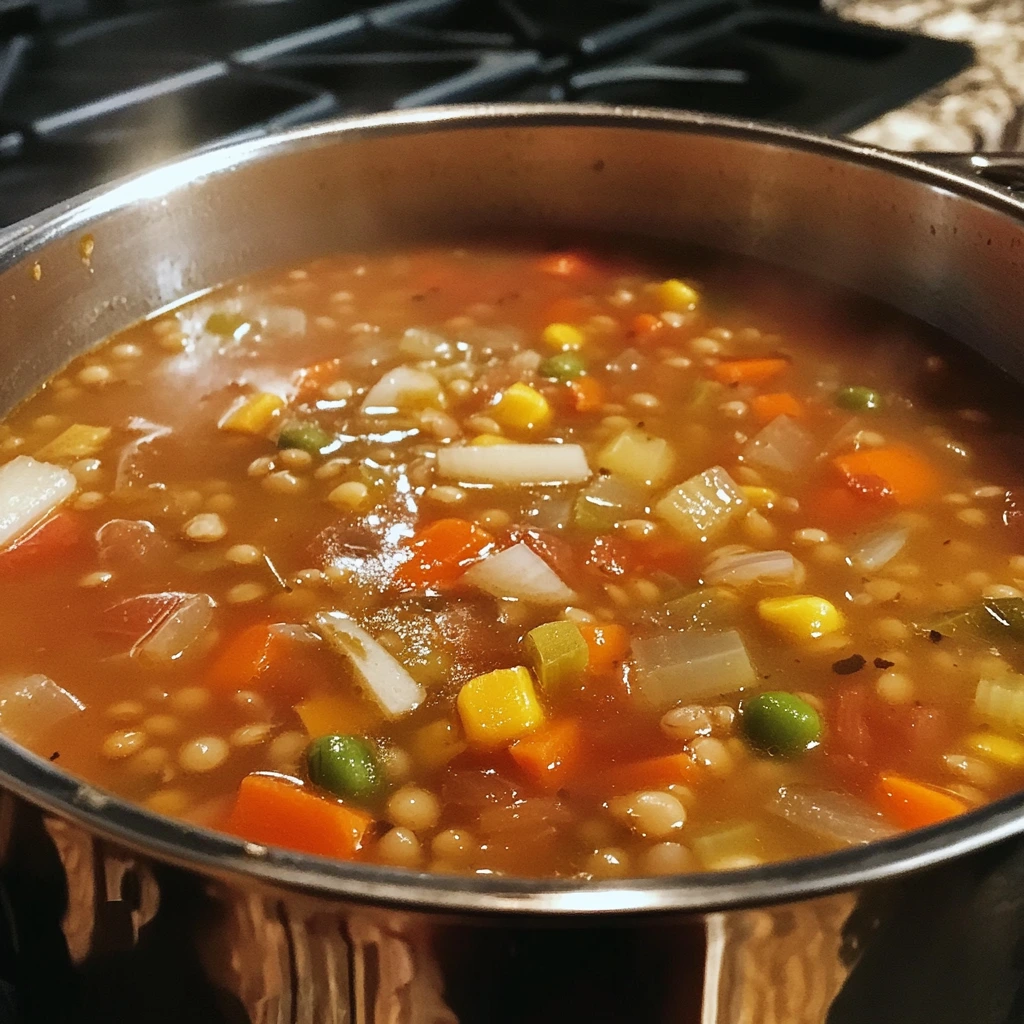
<point x="892" y="695"/>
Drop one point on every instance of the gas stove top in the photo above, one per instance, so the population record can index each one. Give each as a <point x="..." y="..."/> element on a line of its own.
<point x="93" y="89"/>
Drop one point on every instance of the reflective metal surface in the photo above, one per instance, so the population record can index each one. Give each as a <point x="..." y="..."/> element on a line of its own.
<point x="112" y="914"/>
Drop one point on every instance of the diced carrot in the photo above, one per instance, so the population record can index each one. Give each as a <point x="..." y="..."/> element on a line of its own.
<point x="338" y="713"/>
<point x="441" y="552"/>
<point x="907" y="476"/>
<point x="911" y="804"/>
<point x="562" y="264"/>
<point x="650" y="773"/>
<point x="275" y="810"/>
<point x="247" y="656"/>
<point x="781" y="403"/>
<point x="312" y="379"/>
<point x="587" y="394"/>
<point x="47" y="544"/>
<point x="645" y="326"/>
<point x="748" y="371"/>
<point x="549" y="755"/>
<point x="607" y="645"/>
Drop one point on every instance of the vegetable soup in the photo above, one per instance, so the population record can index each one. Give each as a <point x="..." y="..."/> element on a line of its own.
<point x="518" y="561"/>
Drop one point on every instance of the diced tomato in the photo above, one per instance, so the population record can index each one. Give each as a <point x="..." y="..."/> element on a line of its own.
<point x="646" y="328"/>
<point x="48" y="545"/>
<point x="611" y="556"/>
<point x="586" y="394"/>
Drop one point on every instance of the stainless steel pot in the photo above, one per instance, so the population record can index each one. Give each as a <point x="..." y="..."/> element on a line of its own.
<point x="112" y="914"/>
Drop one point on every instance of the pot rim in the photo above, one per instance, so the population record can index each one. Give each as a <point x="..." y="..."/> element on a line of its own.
<point x="221" y="856"/>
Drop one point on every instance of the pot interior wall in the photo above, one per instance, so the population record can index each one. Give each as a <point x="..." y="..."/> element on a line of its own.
<point x="937" y="255"/>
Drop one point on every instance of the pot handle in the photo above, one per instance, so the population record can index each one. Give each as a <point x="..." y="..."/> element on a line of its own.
<point x="1003" y="169"/>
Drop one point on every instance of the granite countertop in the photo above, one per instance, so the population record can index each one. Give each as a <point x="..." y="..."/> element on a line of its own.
<point x="980" y="109"/>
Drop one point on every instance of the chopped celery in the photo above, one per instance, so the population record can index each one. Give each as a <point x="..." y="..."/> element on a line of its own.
<point x="858" y="398"/>
<point x="79" y="441"/>
<point x="227" y="325"/>
<point x="706" y="606"/>
<point x="557" y="652"/>
<point x="701" y="507"/>
<point x="606" y="502"/>
<point x="637" y="456"/>
<point x="308" y="436"/>
<point x="705" y="394"/>
<point x="563" y="366"/>
<point x="733" y="846"/>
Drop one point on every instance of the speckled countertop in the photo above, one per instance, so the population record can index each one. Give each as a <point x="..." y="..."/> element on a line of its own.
<point x="980" y="109"/>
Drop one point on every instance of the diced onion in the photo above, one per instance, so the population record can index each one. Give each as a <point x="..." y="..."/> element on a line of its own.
<point x="836" y="817"/>
<point x="179" y="633"/>
<point x="29" y="492"/>
<point x="521" y="573"/>
<point x="755" y="567"/>
<point x="783" y="445"/>
<point x="511" y="464"/>
<point x="691" y="665"/>
<point x="879" y="548"/>
<point x="1001" y="701"/>
<point x="31" y="704"/>
<point x="383" y="677"/>
<point x="403" y="388"/>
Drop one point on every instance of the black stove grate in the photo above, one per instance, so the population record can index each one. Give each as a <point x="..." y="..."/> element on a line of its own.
<point x="91" y="89"/>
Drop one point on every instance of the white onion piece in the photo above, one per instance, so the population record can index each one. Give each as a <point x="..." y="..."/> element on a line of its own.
<point x="179" y="633"/>
<point x="297" y="634"/>
<point x="128" y="471"/>
<point x="513" y="464"/>
<point x="403" y="388"/>
<point x="29" y="492"/>
<point x="383" y="677"/>
<point x="783" y="445"/>
<point x="836" y="817"/>
<point x="755" y="567"/>
<point x="521" y="573"/>
<point x="880" y="548"/>
<point x="1001" y="701"/>
<point x="32" y="704"/>
<point x="691" y="665"/>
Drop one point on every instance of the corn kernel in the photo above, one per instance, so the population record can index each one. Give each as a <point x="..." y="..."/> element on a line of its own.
<point x="997" y="748"/>
<point x="252" y="415"/>
<point x="522" y="407"/>
<point x="563" y="337"/>
<point x="759" y="497"/>
<point x="677" y="296"/>
<point x="489" y="440"/>
<point x="499" y="707"/>
<point x="801" y="617"/>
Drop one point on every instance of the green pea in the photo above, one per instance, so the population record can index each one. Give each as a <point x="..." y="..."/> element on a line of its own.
<point x="780" y="724"/>
<point x="858" y="398"/>
<point x="346" y="766"/>
<point x="563" y="366"/>
<point x="310" y="437"/>
<point x="227" y="325"/>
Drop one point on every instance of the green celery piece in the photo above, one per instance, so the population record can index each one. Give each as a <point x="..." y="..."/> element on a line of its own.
<point x="227" y="325"/>
<point x="606" y="502"/>
<point x="723" y="847"/>
<point x="705" y="606"/>
<point x="557" y="652"/>
<point x="306" y="435"/>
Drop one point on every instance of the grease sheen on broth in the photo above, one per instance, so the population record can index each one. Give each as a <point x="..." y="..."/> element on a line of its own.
<point x="508" y="560"/>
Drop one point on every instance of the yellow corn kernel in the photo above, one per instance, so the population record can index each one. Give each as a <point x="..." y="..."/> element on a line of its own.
<point x="252" y="415"/>
<point x="997" y="748"/>
<point x="676" y="295"/>
<point x="522" y="407"/>
<point x="563" y="337"/>
<point x="489" y="440"/>
<point x="335" y="713"/>
<point x="759" y="497"/>
<point x="801" y="617"/>
<point x="499" y="707"/>
<point x="79" y="441"/>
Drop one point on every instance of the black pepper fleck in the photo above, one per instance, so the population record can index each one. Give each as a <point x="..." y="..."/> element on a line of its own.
<point x="882" y="663"/>
<point x="55" y="755"/>
<point x="847" y="666"/>
<point x="934" y="635"/>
